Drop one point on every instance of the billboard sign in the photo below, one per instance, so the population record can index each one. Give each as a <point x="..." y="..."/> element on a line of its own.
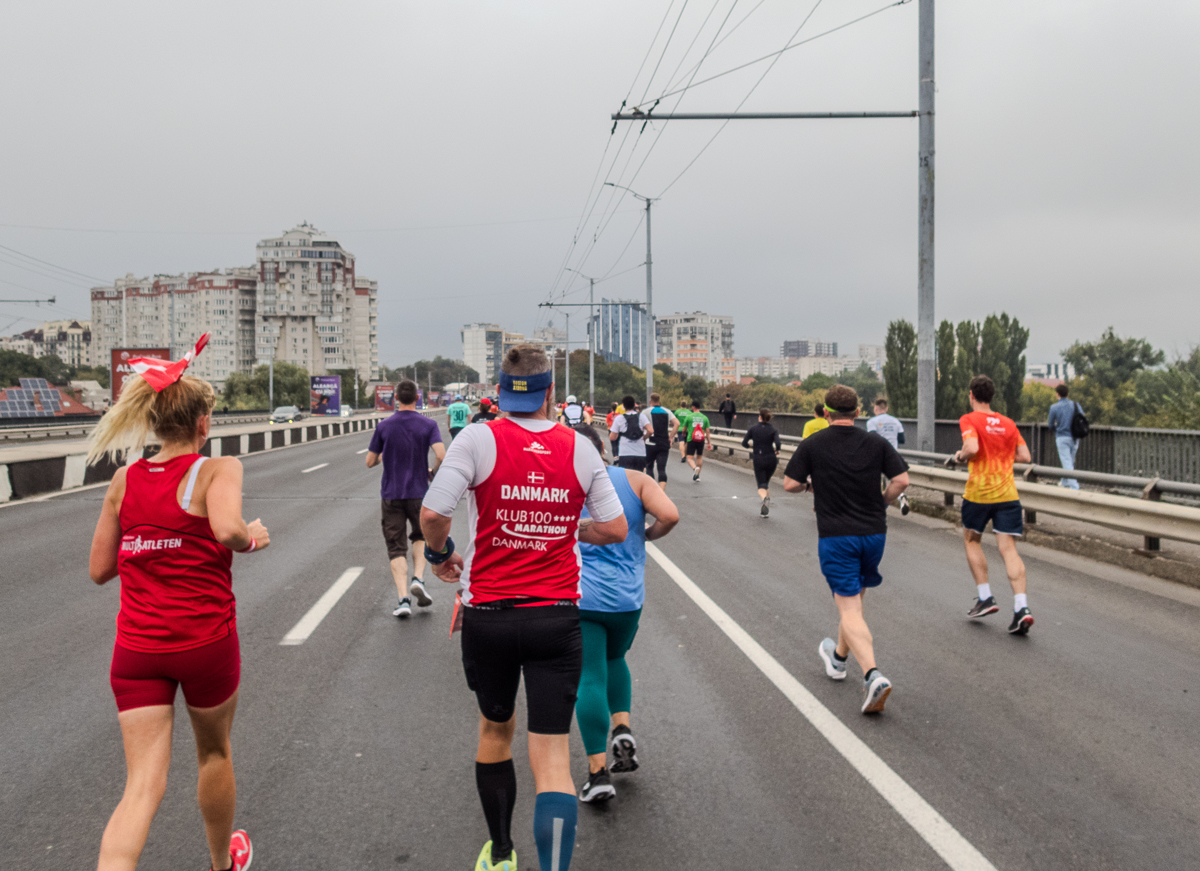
<point x="120" y="368"/>
<point x="326" y="394"/>
<point x="385" y="398"/>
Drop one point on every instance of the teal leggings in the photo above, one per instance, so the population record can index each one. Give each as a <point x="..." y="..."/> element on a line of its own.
<point x="605" y="687"/>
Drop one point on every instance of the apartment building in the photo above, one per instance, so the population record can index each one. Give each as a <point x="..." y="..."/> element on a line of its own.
<point x="311" y="307"/>
<point x="621" y="331"/>
<point x="808" y="348"/>
<point x="483" y="349"/>
<point x="303" y="287"/>
<point x="697" y="344"/>
<point x="70" y="341"/>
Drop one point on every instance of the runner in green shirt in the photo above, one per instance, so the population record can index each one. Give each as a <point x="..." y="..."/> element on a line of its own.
<point x="697" y="428"/>
<point x="460" y="414"/>
<point x="682" y="414"/>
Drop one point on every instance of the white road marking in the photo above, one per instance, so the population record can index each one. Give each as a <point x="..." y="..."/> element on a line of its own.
<point x="313" y="468"/>
<point x="310" y="621"/>
<point x="933" y="828"/>
<point x="363" y="451"/>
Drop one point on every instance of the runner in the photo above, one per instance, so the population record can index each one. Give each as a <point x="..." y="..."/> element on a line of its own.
<point x="401" y="444"/>
<point x="614" y="589"/>
<point x="572" y="413"/>
<point x="893" y="430"/>
<point x="844" y="464"/>
<point x="659" y="433"/>
<point x="168" y="527"/>
<point x="697" y="438"/>
<point x="683" y="414"/>
<point x="527" y="480"/>
<point x="628" y="432"/>
<point x="817" y="424"/>
<point x="991" y="443"/>
<point x="608" y="418"/>
<point x="485" y="412"/>
<point x="765" y="456"/>
<point x="459" y="415"/>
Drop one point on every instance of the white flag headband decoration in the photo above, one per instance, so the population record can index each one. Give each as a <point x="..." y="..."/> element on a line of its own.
<point x="163" y="373"/>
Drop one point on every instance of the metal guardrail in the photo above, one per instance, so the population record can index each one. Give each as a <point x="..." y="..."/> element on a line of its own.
<point x="1145" y="516"/>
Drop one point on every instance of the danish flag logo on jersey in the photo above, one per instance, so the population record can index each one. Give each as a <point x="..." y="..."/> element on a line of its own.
<point x="537" y="477"/>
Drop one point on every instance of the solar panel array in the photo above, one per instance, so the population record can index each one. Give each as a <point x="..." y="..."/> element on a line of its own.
<point x="23" y="401"/>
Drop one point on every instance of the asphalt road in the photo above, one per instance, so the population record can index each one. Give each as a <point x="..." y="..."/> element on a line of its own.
<point x="1072" y="748"/>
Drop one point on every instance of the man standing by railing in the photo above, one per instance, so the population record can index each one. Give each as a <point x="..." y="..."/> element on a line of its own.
<point x="1062" y="416"/>
<point x="991" y="444"/>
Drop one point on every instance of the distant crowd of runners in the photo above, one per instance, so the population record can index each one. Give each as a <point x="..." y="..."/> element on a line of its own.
<point x="549" y="570"/>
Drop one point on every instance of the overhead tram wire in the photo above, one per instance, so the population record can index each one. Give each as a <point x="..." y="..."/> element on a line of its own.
<point x="766" y="72"/>
<point x="691" y="85"/>
<point x="732" y="30"/>
<point x="692" y="44"/>
<point x="48" y="263"/>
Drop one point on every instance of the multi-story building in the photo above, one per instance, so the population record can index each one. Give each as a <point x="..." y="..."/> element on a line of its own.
<point x="70" y="341"/>
<point x="621" y="331"/>
<point x="876" y="355"/>
<point x="483" y="349"/>
<point x="308" y="301"/>
<point x="697" y="344"/>
<point x="303" y="287"/>
<point x="799" y="367"/>
<point x="808" y="348"/>
<point x="173" y="311"/>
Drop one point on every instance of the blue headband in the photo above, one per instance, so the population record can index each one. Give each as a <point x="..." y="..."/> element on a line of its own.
<point x="526" y="383"/>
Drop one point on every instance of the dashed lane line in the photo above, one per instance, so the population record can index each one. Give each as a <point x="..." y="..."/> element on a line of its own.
<point x="363" y="451"/>
<point x="310" y="621"/>
<point x="933" y="828"/>
<point x="313" y="468"/>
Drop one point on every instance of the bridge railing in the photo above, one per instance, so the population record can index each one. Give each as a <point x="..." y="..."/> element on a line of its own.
<point x="1144" y="515"/>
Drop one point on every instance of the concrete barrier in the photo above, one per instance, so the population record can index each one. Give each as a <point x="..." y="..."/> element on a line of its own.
<point x="48" y="468"/>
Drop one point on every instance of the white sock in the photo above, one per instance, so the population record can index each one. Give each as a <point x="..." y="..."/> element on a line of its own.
<point x="985" y="592"/>
<point x="1020" y="601"/>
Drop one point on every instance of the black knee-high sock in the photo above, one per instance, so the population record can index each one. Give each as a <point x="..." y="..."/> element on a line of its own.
<point x="497" y="784"/>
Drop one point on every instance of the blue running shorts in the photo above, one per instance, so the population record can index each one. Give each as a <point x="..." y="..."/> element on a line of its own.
<point x="850" y="563"/>
<point x="1006" y="517"/>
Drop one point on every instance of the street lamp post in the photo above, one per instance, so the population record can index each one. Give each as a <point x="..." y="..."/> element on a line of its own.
<point x="591" y="336"/>
<point x="650" y="341"/>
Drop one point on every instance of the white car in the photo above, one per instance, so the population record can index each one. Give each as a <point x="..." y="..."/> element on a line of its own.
<point x="286" y="414"/>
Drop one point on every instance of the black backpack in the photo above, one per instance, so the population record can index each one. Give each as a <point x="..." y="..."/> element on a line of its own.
<point x="1079" y="424"/>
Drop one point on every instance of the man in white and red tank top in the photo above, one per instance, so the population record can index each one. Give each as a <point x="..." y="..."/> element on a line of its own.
<point x="527" y="480"/>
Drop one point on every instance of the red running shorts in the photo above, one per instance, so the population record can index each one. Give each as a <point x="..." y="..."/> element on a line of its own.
<point x="209" y="675"/>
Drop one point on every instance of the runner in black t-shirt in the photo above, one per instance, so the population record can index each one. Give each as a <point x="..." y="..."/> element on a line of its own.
<point x="765" y="455"/>
<point x="486" y="411"/>
<point x="842" y="465"/>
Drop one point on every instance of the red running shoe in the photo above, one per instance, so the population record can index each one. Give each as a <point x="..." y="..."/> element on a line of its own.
<point x="241" y="850"/>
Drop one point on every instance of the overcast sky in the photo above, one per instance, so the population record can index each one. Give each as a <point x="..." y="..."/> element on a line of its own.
<point x="452" y="146"/>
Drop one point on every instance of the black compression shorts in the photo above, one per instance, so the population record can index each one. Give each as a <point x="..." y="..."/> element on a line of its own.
<point x="763" y="470"/>
<point x="696" y="449"/>
<point x="544" y="643"/>
<point x="656" y="455"/>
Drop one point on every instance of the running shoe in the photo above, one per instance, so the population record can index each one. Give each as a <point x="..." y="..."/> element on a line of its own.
<point x="418" y="592"/>
<point x="598" y="787"/>
<point x="696" y="475"/>
<point x="624" y="751"/>
<point x="241" y="850"/>
<point x="983" y="607"/>
<point x="766" y="506"/>
<point x="485" y="863"/>
<point x="902" y="501"/>
<point x="1022" y="620"/>
<point x="875" y="693"/>
<point x="836" y="669"/>
<point x="403" y="608"/>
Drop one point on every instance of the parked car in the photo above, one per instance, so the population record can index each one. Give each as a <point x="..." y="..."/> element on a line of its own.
<point x="286" y="414"/>
<point x="346" y="412"/>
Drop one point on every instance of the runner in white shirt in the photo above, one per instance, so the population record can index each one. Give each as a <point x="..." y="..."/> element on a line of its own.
<point x="527" y="480"/>
<point x="893" y="430"/>
<point x="628" y="430"/>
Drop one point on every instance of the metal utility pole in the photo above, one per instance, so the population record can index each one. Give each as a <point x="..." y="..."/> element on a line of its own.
<point x="926" y="365"/>
<point x="591" y="336"/>
<point x="271" y="381"/>
<point x="649" y="341"/>
<point x="926" y="371"/>
<point x="567" y="351"/>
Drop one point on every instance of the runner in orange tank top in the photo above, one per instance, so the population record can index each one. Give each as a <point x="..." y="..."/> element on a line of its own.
<point x="991" y="444"/>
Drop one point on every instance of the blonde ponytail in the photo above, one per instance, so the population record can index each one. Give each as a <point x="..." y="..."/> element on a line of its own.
<point x="173" y="415"/>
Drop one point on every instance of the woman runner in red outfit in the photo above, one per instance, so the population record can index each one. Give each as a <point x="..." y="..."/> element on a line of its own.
<point x="168" y="527"/>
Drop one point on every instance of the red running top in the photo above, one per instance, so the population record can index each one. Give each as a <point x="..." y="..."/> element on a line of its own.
<point x="176" y="584"/>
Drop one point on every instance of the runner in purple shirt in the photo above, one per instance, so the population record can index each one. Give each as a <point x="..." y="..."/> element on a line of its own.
<point x="401" y="444"/>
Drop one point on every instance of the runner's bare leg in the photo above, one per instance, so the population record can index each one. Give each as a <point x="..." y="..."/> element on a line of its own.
<point x="853" y="634"/>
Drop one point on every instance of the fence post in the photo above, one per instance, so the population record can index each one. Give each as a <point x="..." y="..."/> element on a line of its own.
<point x="1151" y="543"/>
<point x="1031" y="477"/>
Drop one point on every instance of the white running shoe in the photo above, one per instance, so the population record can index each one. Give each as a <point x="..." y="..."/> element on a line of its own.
<point x="417" y="589"/>
<point x="835" y="669"/>
<point x="403" y="608"/>
<point x="875" y="694"/>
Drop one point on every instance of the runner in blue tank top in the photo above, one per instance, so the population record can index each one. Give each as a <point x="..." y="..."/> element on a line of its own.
<point x="614" y="587"/>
